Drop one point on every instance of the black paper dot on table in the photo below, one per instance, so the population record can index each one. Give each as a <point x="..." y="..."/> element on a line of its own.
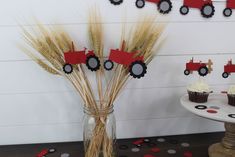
<point x="173" y="141"/>
<point x="201" y="107"/>
<point x="123" y="147"/>
<point x="231" y="115"/>
<point x="151" y="144"/>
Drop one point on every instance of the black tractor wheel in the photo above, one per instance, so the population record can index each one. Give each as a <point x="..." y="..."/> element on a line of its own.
<point x="186" y="72"/>
<point x="140" y="3"/>
<point x="138" y="69"/>
<point x="208" y="10"/>
<point x="225" y="75"/>
<point x="184" y="10"/>
<point x="203" y="71"/>
<point x="68" y="68"/>
<point x="93" y="63"/>
<point x="164" y="6"/>
<point x="116" y="2"/>
<point x="108" y="65"/>
<point x="227" y="12"/>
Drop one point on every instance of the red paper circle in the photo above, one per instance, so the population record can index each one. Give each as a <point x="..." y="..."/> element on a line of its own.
<point x="211" y="111"/>
<point x="155" y="150"/>
<point x="148" y="155"/>
<point x="188" y="154"/>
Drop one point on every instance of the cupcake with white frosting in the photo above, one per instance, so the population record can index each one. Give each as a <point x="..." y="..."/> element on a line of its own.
<point x="199" y="91"/>
<point x="231" y="95"/>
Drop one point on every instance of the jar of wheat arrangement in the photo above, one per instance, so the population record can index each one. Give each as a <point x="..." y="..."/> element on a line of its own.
<point x="99" y="132"/>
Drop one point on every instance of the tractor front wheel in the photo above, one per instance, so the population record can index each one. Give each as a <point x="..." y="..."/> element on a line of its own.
<point x="227" y="12"/>
<point x="225" y="75"/>
<point x="208" y="10"/>
<point x="137" y="69"/>
<point x="108" y="65"/>
<point x="203" y="71"/>
<point x="116" y="2"/>
<point x="93" y="63"/>
<point x="186" y="72"/>
<point x="140" y="3"/>
<point x="164" y="6"/>
<point x="68" y="68"/>
<point x="184" y="10"/>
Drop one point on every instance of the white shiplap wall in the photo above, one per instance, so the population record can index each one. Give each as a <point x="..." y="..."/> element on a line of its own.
<point x="38" y="107"/>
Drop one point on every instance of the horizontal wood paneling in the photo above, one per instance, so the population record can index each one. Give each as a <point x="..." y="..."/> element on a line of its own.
<point x="179" y="39"/>
<point x="163" y="72"/>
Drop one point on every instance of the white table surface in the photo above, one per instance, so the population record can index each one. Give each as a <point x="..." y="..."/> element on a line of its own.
<point x="216" y="102"/>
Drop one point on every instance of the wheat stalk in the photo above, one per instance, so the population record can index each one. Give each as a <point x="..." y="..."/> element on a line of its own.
<point x="95" y="31"/>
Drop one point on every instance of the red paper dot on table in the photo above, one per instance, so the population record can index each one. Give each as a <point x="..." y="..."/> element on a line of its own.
<point x="211" y="111"/>
<point x="148" y="155"/>
<point x="155" y="150"/>
<point x="140" y="141"/>
<point x="188" y="154"/>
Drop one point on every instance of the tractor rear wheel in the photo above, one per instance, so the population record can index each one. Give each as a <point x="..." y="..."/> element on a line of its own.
<point x="116" y="2"/>
<point x="203" y="71"/>
<point x="184" y="10"/>
<point x="225" y="75"/>
<point x="140" y="3"/>
<point x="108" y="65"/>
<point x="227" y="12"/>
<point x="93" y="63"/>
<point x="137" y="69"/>
<point x="164" y="6"/>
<point x="186" y="72"/>
<point x="208" y="10"/>
<point x="68" y="68"/>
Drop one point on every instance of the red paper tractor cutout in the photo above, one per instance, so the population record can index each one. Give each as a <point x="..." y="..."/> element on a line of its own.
<point x="206" y="6"/>
<point x="137" y="66"/>
<point x="228" y="69"/>
<point x="164" y="6"/>
<point x="73" y="57"/>
<point x="116" y="2"/>
<point x="202" y="68"/>
<point x="229" y="6"/>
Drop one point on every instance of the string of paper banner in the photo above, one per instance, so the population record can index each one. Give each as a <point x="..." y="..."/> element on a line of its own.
<point x="137" y="65"/>
<point x="206" y="6"/>
<point x="204" y="68"/>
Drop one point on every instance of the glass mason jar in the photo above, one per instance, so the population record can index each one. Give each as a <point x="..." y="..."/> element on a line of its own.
<point x="99" y="132"/>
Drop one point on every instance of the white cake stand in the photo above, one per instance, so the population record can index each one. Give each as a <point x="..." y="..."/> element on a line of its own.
<point x="217" y="109"/>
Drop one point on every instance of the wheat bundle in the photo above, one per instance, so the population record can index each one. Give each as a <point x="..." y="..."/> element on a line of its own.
<point x="51" y="44"/>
